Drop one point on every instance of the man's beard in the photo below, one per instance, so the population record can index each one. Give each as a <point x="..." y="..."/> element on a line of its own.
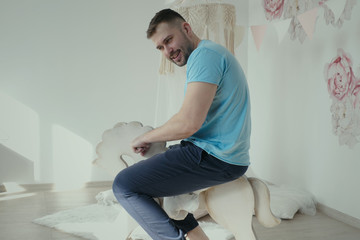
<point x="184" y="55"/>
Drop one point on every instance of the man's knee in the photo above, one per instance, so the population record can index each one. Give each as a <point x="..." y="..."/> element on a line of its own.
<point x="121" y="186"/>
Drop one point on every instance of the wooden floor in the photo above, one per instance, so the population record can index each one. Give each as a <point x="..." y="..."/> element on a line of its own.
<point x="17" y="210"/>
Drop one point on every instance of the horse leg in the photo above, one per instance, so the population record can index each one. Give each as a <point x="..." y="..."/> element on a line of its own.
<point x="232" y="205"/>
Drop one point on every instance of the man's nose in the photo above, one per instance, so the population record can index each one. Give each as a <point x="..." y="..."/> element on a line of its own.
<point x="168" y="51"/>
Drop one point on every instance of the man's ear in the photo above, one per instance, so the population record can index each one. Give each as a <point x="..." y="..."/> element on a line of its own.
<point x="187" y="28"/>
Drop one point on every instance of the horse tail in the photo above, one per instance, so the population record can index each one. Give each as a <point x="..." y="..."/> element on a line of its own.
<point x="262" y="204"/>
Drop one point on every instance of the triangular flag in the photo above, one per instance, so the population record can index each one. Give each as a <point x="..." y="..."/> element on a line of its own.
<point x="281" y="28"/>
<point x="258" y="32"/>
<point x="308" y="20"/>
<point x="337" y="7"/>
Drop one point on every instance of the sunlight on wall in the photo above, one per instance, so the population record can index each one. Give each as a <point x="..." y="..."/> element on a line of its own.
<point x="3" y="136"/>
<point x="72" y="156"/>
<point x="19" y="128"/>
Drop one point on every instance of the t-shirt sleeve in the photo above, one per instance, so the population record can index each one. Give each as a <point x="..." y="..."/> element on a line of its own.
<point x="206" y="66"/>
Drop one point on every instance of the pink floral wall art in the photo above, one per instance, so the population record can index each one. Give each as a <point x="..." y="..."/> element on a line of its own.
<point x="273" y="9"/>
<point x="344" y="90"/>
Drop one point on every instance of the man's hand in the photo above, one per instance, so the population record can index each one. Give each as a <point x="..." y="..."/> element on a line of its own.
<point x="140" y="146"/>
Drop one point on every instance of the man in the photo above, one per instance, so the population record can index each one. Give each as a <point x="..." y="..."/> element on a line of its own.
<point x="214" y="123"/>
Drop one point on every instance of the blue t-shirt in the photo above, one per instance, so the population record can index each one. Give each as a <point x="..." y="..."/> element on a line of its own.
<point x="225" y="133"/>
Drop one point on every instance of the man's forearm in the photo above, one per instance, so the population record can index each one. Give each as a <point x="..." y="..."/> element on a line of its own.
<point x="177" y="128"/>
<point x="186" y="122"/>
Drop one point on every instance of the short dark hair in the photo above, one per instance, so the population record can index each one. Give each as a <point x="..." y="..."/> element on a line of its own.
<point x="165" y="15"/>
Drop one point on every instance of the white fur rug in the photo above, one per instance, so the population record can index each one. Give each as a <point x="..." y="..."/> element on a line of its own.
<point x="98" y="222"/>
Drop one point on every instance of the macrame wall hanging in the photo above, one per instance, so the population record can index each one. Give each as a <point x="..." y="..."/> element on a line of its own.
<point x="212" y="20"/>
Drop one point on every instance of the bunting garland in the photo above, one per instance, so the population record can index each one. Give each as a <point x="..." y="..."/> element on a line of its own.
<point x="299" y="19"/>
<point x="305" y="14"/>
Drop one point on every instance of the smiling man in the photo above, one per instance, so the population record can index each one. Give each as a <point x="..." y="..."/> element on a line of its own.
<point x="179" y="51"/>
<point x="213" y="123"/>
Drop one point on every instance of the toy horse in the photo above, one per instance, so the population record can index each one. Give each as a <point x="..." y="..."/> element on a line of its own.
<point x="231" y="205"/>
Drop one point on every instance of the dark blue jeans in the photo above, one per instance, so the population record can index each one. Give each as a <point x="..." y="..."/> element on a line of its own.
<point x="182" y="169"/>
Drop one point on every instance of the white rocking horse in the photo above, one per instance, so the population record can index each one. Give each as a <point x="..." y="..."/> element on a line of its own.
<point x="231" y="205"/>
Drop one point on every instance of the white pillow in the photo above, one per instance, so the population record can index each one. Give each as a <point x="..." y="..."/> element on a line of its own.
<point x="286" y="201"/>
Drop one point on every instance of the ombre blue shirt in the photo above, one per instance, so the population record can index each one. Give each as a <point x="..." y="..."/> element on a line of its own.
<point x="225" y="133"/>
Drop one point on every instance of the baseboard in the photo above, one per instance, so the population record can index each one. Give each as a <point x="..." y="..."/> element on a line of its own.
<point x="49" y="186"/>
<point x="342" y="217"/>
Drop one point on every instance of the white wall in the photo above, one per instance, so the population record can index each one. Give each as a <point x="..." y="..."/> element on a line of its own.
<point x="68" y="71"/>
<point x="292" y="140"/>
<point x="71" y="69"/>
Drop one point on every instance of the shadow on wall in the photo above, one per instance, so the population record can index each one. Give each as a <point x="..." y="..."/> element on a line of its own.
<point x="34" y="149"/>
<point x="14" y="167"/>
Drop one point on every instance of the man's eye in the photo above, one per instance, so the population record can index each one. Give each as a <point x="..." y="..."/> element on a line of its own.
<point x="168" y="40"/>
